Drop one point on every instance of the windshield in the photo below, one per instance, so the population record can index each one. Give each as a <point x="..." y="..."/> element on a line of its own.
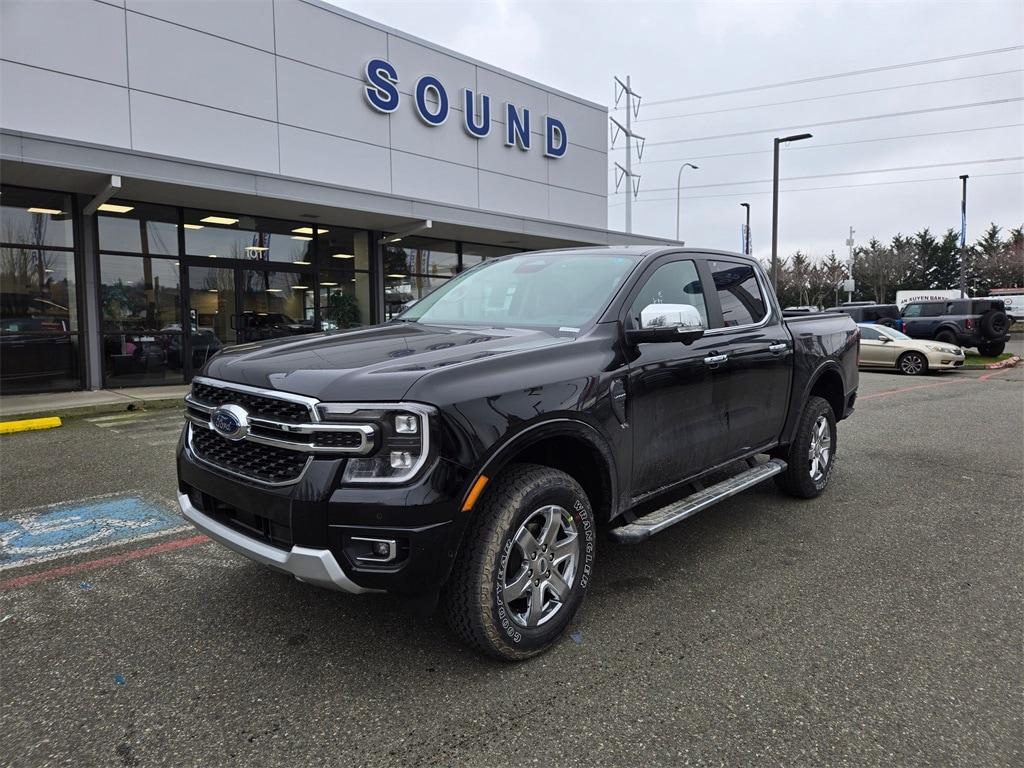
<point x="562" y="290"/>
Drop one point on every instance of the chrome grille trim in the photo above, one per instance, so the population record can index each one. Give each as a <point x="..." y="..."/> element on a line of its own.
<point x="250" y="478"/>
<point x="291" y="433"/>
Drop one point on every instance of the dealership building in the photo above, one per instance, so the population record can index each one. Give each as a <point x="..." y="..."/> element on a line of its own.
<point x="181" y="176"/>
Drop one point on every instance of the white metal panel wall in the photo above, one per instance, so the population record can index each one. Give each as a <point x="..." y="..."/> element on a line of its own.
<point x="276" y="87"/>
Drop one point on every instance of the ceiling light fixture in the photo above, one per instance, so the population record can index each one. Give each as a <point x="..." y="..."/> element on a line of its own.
<point x="193" y="226"/>
<point x="273" y="290"/>
<point x="300" y="287"/>
<point x="51" y="211"/>
<point x="303" y="263"/>
<point x="301" y="237"/>
<point x="213" y="219"/>
<point x="397" y="275"/>
<point x="309" y="231"/>
<point x="322" y="282"/>
<point x="113" y="208"/>
<point x="343" y="256"/>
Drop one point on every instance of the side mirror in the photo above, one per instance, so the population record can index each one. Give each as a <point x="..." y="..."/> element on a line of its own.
<point x="667" y="322"/>
<point x="884" y="339"/>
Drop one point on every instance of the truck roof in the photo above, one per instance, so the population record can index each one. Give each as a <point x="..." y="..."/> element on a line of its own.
<point x="645" y="251"/>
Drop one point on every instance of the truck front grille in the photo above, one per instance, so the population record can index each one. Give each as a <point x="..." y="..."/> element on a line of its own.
<point x="257" y="405"/>
<point x="264" y="463"/>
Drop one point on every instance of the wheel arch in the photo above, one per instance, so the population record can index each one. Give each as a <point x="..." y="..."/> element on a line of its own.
<point x="827" y="383"/>
<point x="566" y="444"/>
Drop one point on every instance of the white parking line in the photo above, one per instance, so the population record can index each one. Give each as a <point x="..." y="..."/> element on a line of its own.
<point x="103" y="421"/>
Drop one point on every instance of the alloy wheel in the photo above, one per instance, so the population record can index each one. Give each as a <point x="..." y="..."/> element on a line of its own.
<point x="541" y="570"/>
<point x="821" y="448"/>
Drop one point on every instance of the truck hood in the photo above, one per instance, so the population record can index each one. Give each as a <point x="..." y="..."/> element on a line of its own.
<point x="379" y="363"/>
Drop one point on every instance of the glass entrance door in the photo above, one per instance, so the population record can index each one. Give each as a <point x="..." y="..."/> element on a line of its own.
<point x="235" y="305"/>
<point x="212" y="309"/>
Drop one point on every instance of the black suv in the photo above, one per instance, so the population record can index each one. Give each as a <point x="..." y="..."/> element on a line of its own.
<point x="879" y="314"/>
<point x="979" y="323"/>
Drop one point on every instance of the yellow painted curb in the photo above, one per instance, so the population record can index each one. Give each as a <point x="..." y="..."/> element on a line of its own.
<point x="26" y="425"/>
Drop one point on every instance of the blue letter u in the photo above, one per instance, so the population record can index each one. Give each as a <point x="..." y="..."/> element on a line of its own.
<point x="473" y="128"/>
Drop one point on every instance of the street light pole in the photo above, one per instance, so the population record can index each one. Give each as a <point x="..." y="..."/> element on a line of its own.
<point x="746" y="230"/>
<point x="963" y="239"/>
<point x="679" y="181"/>
<point x="775" y="203"/>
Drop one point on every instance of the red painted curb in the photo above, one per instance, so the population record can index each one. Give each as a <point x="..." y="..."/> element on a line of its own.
<point x="89" y="565"/>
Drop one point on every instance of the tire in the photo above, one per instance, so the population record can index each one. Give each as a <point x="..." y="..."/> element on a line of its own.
<point x="946" y="337"/>
<point x="912" y="364"/>
<point x="992" y="349"/>
<point x="803" y="478"/>
<point x="477" y="606"/>
<point x="994" y="323"/>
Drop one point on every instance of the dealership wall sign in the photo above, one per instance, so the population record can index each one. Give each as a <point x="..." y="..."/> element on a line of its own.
<point x="432" y="104"/>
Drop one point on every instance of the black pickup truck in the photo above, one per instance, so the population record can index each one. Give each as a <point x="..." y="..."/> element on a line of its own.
<point x="471" y="449"/>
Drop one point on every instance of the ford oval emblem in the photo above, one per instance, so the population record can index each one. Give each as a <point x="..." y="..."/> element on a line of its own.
<point x="230" y="421"/>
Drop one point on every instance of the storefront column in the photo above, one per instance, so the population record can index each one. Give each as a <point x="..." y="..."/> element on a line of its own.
<point x="90" y="336"/>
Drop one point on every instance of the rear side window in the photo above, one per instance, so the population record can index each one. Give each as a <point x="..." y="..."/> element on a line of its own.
<point x="912" y="310"/>
<point x="738" y="293"/>
<point x="934" y="309"/>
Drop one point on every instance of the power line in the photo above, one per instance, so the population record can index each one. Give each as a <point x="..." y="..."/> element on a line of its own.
<point x="836" y="75"/>
<point x="830" y="96"/>
<point x="845" y="173"/>
<point x="864" y="118"/>
<point x="802" y="147"/>
<point x="945" y="179"/>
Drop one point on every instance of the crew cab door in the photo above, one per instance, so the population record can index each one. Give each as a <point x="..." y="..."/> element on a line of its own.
<point x="747" y="327"/>
<point x="675" y="397"/>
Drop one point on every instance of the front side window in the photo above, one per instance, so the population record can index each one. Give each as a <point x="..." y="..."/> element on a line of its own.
<point x="914" y="310"/>
<point x="674" y="283"/>
<point x="557" y="290"/>
<point x="869" y="334"/>
<point x="738" y="293"/>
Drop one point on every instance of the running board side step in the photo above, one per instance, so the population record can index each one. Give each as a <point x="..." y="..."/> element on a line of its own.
<point x="660" y="519"/>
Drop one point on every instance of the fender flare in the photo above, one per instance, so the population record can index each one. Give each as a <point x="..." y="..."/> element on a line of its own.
<point x="826" y="367"/>
<point x="563" y="426"/>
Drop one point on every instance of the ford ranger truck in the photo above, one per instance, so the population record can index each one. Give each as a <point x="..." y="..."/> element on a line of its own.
<point x="470" y="450"/>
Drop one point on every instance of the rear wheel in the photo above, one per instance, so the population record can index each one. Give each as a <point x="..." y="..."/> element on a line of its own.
<point x="525" y="564"/>
<point x="812" y="453"/>
<point x="912" y="364"/>
<point x="992" y="349"/>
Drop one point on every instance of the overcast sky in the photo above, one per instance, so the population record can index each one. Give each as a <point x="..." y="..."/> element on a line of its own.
<point x="679" y="49"/>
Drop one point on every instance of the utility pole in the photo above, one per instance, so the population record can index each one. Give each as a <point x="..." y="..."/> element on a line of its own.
<point x="849" y="244"/>
<point x="775" y="203"/>
<point x="963" y="239"/>
<point x="626" y="172"/>
<point x="746" y="230"/>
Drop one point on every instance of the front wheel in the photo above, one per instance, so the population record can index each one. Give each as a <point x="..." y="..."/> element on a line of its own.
<point x="912" y="364"/>
<point x="812" y="453"/>
<point x="525" y="563"/>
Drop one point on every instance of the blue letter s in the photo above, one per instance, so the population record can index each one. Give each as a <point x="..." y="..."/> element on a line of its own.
<point x="382" y="91"/>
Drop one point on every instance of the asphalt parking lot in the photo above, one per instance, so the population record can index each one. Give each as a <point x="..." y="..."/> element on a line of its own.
<point x="878" y="625"/>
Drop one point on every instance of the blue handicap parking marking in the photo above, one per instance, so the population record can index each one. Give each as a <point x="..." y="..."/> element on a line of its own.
<point x="46" y="533"/>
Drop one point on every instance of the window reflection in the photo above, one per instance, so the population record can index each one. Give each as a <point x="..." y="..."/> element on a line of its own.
<point x="344" y="299"/>
<point x="145" y="229"/>
<point x="249" y="238"/>
<point x="36" y="218"/>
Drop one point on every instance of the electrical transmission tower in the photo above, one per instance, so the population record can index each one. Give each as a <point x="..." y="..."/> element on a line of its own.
<point x="623" y="89"/>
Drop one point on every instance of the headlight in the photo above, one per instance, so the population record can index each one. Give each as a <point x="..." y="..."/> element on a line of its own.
<point x="403" y="439"/>
<point x="944" y="350"/>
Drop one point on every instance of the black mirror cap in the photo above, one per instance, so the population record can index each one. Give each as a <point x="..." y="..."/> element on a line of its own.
<point x="663" y="335"/>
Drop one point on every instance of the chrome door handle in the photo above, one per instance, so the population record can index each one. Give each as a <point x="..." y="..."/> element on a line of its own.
<point x="776" y="348"/>
<point x="715" y="359"/>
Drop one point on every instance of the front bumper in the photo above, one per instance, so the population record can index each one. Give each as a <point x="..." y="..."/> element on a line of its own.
<point x="314" y="528"/>
<point x="944" y="360"/>
<point x="315" y="566"/>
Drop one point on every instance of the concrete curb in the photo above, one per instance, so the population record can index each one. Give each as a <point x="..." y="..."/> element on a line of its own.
<point x="96" y="409"/>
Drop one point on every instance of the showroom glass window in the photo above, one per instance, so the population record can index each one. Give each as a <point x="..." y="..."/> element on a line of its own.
<point x="474" y="253"/>
<point x="249" y="238"/>
<point x="344" y="278"/>
<point x="413" y="267"/>
<point x="39" y="324"/>
<point x="140" y="294"/>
